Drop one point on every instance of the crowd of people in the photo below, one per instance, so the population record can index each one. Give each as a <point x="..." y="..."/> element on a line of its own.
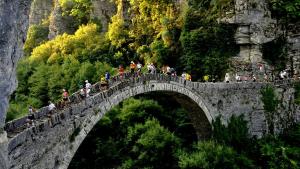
<point x="136" y="70"/>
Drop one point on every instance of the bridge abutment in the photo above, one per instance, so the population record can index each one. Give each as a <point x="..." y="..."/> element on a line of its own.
<point x="4" y="151"/>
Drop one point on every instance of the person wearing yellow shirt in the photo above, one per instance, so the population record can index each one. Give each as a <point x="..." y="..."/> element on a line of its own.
<point x="206" y="78"/>
<point x="188" y="77"/>
<point x="103" y="83"/>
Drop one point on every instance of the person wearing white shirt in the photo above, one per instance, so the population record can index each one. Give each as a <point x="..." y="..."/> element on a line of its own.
<point x="237" y="77"/>
<point x="88" y="87"/>
<point x="51" y="106"/>
<point x="183" y="75"/>
<point x="227" y="77"/>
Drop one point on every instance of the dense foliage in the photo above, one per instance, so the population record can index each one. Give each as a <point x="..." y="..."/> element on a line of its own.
<point x="64" y="62"/>
<point x="150" y="35"/>
<point x="209" y="155"/>
<point x="78" y="10"/>
<point x="36" y="35"/>
<point x="207" y="44"/>
<point x="286" y="10"/>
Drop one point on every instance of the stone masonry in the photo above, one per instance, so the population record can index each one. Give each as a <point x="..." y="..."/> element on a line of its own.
<point x="52" y="143"/>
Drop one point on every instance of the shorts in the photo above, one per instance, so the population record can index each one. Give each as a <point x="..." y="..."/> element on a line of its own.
<point x="31" y="117"/>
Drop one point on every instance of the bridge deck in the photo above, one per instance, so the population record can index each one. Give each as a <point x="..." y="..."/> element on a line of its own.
<point x="17" y="126"/>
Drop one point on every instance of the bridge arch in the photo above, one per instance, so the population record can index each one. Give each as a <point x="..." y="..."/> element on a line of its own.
<point x="188" y="98"/>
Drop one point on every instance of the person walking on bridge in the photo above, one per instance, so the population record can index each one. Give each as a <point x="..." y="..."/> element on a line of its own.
<point x="30" y="117"/>
<point x="206" y="78"/>
<point x="188" y="77"/>
<point x="88" y="87"/>
<point x="168" y="68"/>
<point x="153" y="68"/>
<point x="139" y="68"/>
<point x="82" y="92"/>
<point x="51" y="108"/>
<point x="121" y="71"/>
<point x="149" y="67"/>
<point x="227" y="77"/>
<point x="65" y="97"/>
<point x="107" y="76"/>
<point x="132" y="67"/>
<point x="183" y="75"/>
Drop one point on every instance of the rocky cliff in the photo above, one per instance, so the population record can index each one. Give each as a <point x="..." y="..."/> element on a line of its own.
<point x="40" y="10"/>
<point x="13" y="27"/>
<point x="256" y="27"/>
<point x="103" y="10"/>
<point x="60" y="24"/>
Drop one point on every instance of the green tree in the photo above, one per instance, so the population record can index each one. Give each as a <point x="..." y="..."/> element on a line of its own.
<point x="297" y="92"/>
<point x="153" y="146"/>
<point x="270" y="102"/>
<point x="137" y="111"/>
<point x="24" y="71"/>
<point x="146" y="23"/>
<point x="38" y="83"/>
<point x="209" y="155"/>
<point x="87" y="44"/>
<point x="272" y="152"/>
<point x="79" y="9"/>
<point x="85" y="72"/>
<point x="56" y="83"/>
<point x="235" y="134"/>
<point x="36" y="35"/>
<point x="285" y="9"/>
<point x="206" y="44"/>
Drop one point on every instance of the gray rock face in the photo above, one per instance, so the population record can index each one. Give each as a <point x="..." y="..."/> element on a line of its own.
<point x="40" y="10"/>
<point x="13" y="27"/>
<point x="60" y="24"/>
<point x="255" y="27"/>
<point x="103" y="10"/>
<point x="294" y="50"/>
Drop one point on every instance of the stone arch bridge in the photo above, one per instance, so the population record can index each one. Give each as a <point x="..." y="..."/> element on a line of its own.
<point x="52" y="143"/>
